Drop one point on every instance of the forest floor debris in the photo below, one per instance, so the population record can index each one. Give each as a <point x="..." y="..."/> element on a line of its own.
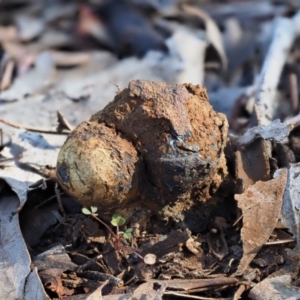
<point x="228" y="230"/>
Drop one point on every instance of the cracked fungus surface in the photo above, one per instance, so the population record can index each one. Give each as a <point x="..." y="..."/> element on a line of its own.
<point x="153" y="144"/>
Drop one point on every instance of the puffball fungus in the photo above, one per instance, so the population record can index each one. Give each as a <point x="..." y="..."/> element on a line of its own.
<point x="154" y="144"/>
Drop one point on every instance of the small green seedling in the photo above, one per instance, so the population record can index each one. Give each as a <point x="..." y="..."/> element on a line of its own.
<point x="126" y="234"/>
<point x="91" y="211"/>
<point x="117" y="221"/>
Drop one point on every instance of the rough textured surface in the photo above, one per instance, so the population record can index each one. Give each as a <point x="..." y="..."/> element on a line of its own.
<point x="98" y="167"/>
<point x="154" y="144"/>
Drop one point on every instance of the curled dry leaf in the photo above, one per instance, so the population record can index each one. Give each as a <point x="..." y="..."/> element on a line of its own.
<point x="212" y="31"/>
<point x="261" y="205"/>
<point x="52" y="281"/>
<point x="7" y="75"/>
<point x="276" y="131"/>
<point x="192" y="245"/>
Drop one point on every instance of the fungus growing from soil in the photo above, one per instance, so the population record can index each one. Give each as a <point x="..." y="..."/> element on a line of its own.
<point x="154" y="145"/>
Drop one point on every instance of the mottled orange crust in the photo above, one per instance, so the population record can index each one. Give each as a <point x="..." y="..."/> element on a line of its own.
<point x="153" y="145"/>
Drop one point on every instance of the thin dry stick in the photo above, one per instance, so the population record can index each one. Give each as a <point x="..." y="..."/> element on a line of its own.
<point x="32" y="129"/>
<point x="64" y="122"/>
<point x="7" y="75"/>
<point x="186" y="296"/>
<point x="237" y="295"/>
<point x="88" y="263"/>
<point x="287" y="241"/>
<point x="284" y="35"/>
<point x="45" y="201"/>
<point x="238" y="219"/>
<point x="293" y="87"/>
<point x="1" y="137"/>
<point x="58" y="197"/>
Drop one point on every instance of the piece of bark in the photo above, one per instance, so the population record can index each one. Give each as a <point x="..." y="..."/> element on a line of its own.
<point x="111" y="258"/>
<point x="168" y="245"/>
<point x="253" y="162"/>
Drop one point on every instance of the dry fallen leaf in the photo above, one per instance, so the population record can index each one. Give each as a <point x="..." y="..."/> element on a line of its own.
<point x="14" y="257"/>
<point x="290" y="214"/>
<point x="276" y="131"/>
<point x="277" y="288"/>
<point x="34" y="288"/>
<point x="261" y="205"/>
<point x="29" y="153"/>
<point x="52" y="281"/>
<point x="252" y="162"/>
<point x="54" y="258"/>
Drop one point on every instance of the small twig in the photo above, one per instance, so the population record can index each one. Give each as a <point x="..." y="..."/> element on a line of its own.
<point x="237" y="295"/>
<point x="4" y="159"/>
<point x="118" y="88"/>
<point x="63" y="122"/>
<point x="1" y="138"/>
<point x="32" y="129"/>
<point x="287" y="241"/>
<point x="238" y="219"/>
<point x="95" y="275"/>
<point x="5" y="81"/>
<point x="293" y="87"/>
<point x="186" y="296"/>
<point x="46" y="201"/>
<point x="88" y="263"/>
<point x="58" y="197"/>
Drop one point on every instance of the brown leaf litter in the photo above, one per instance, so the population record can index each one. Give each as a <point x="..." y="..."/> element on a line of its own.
<point x="165" y="159"/>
